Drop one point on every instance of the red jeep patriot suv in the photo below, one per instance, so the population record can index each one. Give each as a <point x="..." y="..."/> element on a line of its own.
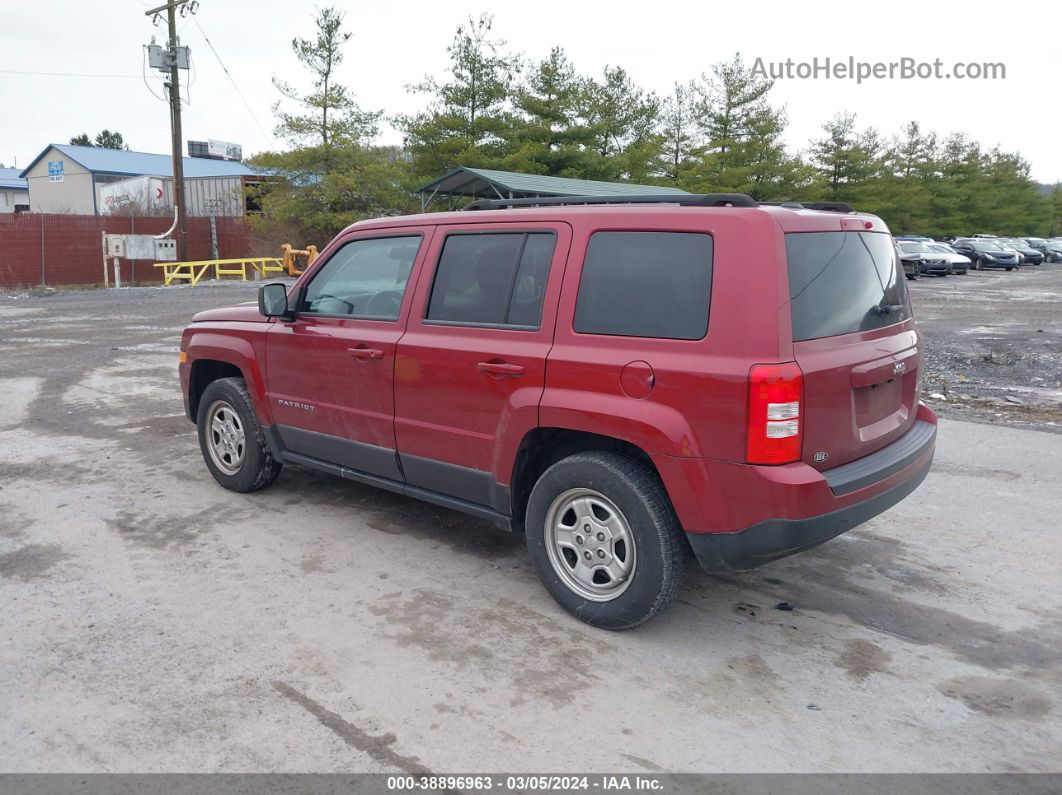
<point x="621" y="379"/>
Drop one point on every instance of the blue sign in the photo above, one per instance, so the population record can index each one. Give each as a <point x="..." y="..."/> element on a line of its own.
<point x="55" y="170"/>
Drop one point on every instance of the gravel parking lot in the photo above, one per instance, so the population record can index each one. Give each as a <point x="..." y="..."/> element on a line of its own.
<point x="994" y="345"/>
<point x="152" y="621"/>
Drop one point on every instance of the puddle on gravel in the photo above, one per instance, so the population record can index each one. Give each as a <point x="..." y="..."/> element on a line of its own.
<point x="31" y="562"/>
<point x="1000" y="698"/>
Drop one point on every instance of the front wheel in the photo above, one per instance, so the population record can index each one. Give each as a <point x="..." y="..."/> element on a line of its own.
<point x="604" y="539"/>
<point x="231" y="439"/>
<point x="1010" y="268"/>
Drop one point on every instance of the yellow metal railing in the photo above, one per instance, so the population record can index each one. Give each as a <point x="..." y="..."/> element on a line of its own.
<point x="241" y="267"/>
<point x="192" y="272"/>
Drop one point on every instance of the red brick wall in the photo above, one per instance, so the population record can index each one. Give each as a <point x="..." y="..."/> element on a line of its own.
<point x="71" y="252"/>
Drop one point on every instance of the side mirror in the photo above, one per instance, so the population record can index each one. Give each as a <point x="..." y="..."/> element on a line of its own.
<point x="273" y="300"/>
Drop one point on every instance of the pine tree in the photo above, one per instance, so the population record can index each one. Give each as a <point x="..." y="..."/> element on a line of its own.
<point x="743" y="149"/>
<point x="845" y="158"/>
<point x="727" y="102"/>
<point x="330" y="117"/>
<point x="105" y="139"/>
<point x="469" y="119"/>
<point x="547" y="137"/>
<point x="679" y="133"/>
<point x="622" y="120"/>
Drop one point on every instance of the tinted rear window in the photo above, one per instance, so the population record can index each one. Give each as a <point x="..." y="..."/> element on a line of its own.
<point x="646" y="284"/>
<point x="492" y="279"/>
<point x="842" y="282"/>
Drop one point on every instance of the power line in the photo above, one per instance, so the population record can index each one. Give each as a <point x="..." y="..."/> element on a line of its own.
<point x="247" y="105"/>
<point x="60" y="74"/>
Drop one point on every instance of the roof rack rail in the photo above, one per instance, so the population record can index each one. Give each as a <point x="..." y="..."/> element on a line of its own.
<point x="682" y="199"/>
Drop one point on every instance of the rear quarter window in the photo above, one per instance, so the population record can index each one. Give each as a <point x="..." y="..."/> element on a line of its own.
<point x="646" y="284"/>
<point x="844" y="282"/>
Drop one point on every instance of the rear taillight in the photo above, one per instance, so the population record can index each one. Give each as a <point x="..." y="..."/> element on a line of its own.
<point x="775" y="393"/>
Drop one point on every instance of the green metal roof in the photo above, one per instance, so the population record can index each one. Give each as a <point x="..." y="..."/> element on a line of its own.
<point x="489" y="183"/>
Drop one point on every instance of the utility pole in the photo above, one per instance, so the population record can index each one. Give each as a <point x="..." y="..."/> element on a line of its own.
<point x="173" y="87"/>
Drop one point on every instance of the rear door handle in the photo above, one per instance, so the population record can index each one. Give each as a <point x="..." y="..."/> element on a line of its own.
<point x="364" y="352"/>
<point x="500" y="368"/>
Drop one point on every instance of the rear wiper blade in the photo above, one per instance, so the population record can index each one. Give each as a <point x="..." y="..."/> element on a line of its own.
<point x="888" y="309"/>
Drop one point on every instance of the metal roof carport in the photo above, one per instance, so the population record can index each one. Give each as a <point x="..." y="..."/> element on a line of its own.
<point x="486" y="183"/>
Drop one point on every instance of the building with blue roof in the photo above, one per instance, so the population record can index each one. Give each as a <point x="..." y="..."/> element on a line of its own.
<point x="14" y="191"/>
<point x="74" y="179"/>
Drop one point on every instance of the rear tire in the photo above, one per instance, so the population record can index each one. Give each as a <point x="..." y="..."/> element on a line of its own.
<point x="629" y="564"/>
<point x="231" y="438"/>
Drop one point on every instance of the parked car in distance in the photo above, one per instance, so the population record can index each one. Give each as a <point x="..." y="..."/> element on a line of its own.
<point x="912" y="263"/>
<point x="1020" y="257"/>
<point x="1051" y="249"/>
<point x="1030" y="255"/>
<point x="958" y="262"/>
<point x="920" y="238"/>
<point x="986" y="254"/>
<point x="592" y="372"/>
<point x="984" y="236"/>
<point x="930" y="264"/>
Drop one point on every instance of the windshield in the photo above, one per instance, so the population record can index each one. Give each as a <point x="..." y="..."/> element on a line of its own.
<point x="843" y="282"/>
<point x="940" y="248"/>
<point x="988" y="246"/>
<point x="914" y="248"/>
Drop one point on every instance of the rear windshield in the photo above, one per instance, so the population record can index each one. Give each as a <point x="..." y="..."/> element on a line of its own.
<point x="843" y="282"/>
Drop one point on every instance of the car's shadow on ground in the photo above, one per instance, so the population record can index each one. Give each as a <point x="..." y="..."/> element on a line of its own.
<point x="395" y="514"/>
<point x="864" y="580"/>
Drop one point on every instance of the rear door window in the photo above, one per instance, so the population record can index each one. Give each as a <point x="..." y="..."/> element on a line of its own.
<point x="492" y="279"/>
<point x="843" y="282"/>
<point x="646" y="284"/>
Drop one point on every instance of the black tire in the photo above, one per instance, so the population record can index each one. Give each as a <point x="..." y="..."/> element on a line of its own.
<point x="659" y="545"/>
<point x="1010" y="268"/>
<point x="256" y="468"/>
<point x="979" y="265"/>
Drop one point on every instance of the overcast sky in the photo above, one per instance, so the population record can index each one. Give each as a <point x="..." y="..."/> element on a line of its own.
<point x="658" y="43"/>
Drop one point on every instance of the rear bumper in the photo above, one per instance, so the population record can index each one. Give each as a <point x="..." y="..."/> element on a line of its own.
<point x="851" y="494"/>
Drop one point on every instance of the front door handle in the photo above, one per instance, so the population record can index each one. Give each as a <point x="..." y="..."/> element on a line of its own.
<point x="500" y="368"/>
<point x="364" y="352"/>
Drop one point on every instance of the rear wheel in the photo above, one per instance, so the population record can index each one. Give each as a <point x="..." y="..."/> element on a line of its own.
<point x="1010" y="268"/>
<point x="605" y="540"/>
<point x="231" y="439"/>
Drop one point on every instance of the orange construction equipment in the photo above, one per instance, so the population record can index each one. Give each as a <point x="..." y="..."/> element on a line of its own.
<point x="290" y="258"/>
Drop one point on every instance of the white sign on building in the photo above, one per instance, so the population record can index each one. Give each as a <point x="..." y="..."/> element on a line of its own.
<point x="224" y="149"/>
